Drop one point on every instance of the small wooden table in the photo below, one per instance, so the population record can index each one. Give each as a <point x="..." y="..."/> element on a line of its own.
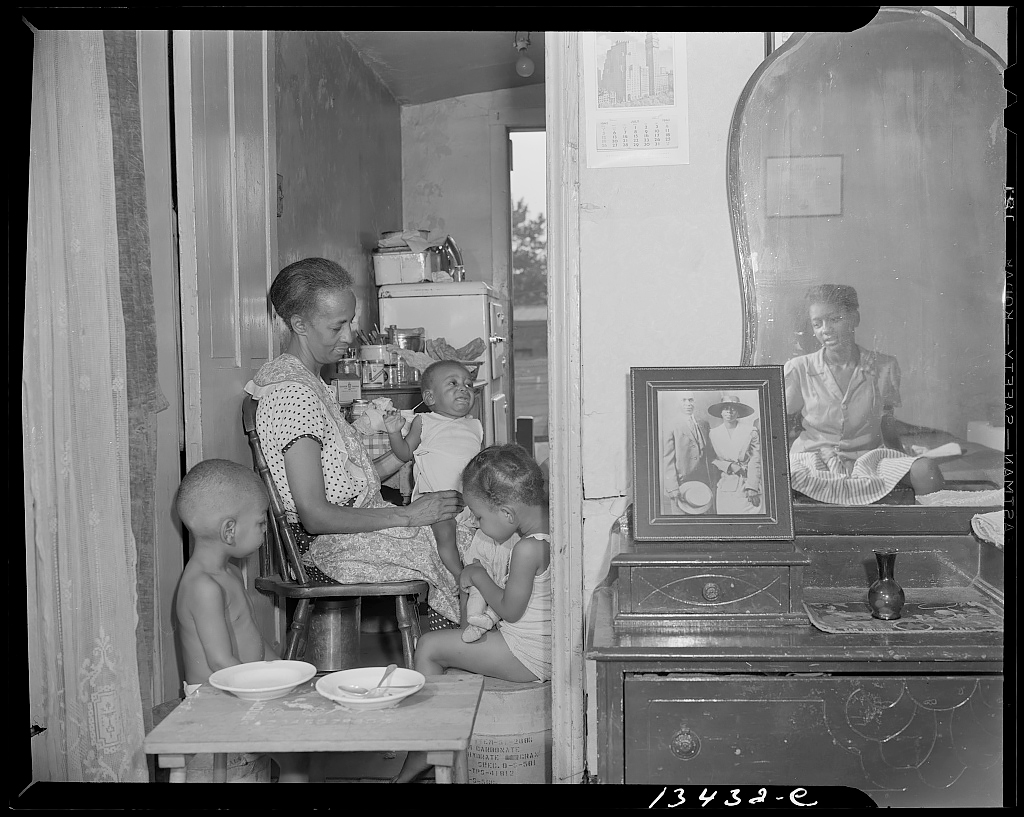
<point x="437" y="720"/>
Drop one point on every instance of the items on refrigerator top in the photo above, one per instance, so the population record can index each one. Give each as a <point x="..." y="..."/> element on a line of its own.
<point x="409" y="257"/>
<point x="459" y="312"/>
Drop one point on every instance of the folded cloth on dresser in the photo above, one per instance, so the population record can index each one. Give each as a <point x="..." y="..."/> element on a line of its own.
<point x="964" y="499"/>
<point x="989" y="526"/>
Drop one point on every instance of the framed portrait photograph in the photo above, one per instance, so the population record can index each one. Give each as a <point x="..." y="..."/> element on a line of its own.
<point x="710" y="454"/>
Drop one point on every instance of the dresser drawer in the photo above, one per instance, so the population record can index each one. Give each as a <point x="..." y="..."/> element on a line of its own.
<point x="928" y="740"/>
<point x="708" y="590"/>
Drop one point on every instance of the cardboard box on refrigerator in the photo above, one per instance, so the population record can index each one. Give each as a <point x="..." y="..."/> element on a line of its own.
<point x="404" y="267"/>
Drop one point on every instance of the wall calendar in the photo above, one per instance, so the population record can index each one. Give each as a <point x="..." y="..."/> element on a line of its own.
<point x="641" y="133"/>
<point x="636" y="98"/>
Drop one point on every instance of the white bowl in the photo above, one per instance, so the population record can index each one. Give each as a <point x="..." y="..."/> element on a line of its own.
<point x="406" y="682"/>
<point x="262" y="680"/>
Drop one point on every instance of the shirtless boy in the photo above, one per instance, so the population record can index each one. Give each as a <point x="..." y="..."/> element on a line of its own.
<point x="224" y="505"/>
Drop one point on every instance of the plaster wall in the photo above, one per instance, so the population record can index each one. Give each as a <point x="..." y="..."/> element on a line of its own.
<point x="658" y="287"/>
<point x="339" y="144"/>
<point x="450" y="185"/>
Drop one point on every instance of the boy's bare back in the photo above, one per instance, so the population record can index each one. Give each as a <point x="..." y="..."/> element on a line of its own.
<point x="224" y="505"/>
<point x="217" y="622"/>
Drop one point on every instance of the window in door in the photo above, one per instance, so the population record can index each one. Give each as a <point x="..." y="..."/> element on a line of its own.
<point x="529" y="290"/>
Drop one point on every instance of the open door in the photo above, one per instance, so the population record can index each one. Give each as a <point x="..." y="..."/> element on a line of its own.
<point x="227" y="192"/>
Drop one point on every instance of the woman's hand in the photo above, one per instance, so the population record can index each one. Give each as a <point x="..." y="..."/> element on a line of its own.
<point x="435" y="507"/>
<point x="753" y="496"/>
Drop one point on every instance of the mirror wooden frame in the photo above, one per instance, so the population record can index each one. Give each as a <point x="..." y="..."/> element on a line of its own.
<point x="832" y="519"/>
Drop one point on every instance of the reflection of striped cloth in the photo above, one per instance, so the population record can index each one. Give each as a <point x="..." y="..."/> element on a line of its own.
<point x="872" y="476"/>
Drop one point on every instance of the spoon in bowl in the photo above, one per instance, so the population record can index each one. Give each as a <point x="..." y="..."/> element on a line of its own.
<point x="377" y="690"/>
<point x="356" y="690"/>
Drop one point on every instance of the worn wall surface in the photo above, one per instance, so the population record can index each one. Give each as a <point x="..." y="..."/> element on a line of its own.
<point x="339" y="147"/>
<point x="448" y="179"/>
<point x="658" y="286"/>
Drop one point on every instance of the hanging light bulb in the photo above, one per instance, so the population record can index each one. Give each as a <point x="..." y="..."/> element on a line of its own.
<point x="524" y="65"/>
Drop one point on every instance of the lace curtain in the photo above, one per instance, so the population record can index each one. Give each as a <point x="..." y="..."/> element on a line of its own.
<point x="81" y="561"/>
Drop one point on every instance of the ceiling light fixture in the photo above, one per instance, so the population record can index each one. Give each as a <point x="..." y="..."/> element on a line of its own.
<point x="524" y="65"/>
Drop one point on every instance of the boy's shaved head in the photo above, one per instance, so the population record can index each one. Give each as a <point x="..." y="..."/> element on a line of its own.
<point x="214" y="490"/>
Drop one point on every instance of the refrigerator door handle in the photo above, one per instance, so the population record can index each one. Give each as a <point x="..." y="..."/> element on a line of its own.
<point x="496" y="339"/>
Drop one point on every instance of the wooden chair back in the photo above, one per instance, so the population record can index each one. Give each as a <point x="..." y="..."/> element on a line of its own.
<point x="283" y="551"/>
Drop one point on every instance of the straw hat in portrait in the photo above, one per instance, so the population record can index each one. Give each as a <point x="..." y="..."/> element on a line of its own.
<point x="694" y="497"/>
<point x="730" y="401"/>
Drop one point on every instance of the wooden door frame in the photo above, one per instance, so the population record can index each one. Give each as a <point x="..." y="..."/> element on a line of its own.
<point x="188" y="248"/>
<point x="501" y="245"/>
<point x="568" y="709"/>
<point x="154" y="110"/>
<point x="191" y="220"/>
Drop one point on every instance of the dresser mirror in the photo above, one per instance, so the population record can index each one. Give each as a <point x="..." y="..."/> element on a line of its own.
<point x="876" y="159"/>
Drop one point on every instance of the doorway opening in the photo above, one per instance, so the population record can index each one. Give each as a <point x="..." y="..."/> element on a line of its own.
<point x="529" y="288"/>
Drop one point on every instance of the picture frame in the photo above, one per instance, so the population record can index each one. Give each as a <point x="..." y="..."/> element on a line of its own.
<point x="693" y="482"/>
<point x="803" y="186"/>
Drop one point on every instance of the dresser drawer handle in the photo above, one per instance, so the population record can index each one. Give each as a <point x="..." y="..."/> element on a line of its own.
<point x="685" y="744"/>
<point x="711" y="591"/>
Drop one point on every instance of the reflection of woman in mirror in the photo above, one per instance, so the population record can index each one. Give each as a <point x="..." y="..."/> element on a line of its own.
<point x="848" y="452"/>
<point x="737" y="456"/>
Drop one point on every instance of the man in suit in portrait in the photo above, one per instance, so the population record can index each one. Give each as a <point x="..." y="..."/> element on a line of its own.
<point x="687" y="476"/>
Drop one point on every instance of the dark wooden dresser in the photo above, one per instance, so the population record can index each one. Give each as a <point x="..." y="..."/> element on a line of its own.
<point x="714" y="675"/>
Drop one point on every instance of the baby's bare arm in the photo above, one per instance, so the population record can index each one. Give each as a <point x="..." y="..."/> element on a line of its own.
<point x="404" y="447"/>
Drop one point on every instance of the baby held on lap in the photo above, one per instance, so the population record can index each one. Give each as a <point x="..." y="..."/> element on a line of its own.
<point x="441" y="442"/>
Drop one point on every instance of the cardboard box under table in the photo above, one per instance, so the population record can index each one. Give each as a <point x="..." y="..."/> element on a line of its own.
<point x="437" y="719"/>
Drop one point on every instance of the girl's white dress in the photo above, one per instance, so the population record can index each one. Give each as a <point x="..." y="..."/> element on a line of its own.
<point x="529" y="639"/>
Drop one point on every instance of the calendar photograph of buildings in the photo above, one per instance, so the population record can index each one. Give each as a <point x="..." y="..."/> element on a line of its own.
<point x="635" y="69"/>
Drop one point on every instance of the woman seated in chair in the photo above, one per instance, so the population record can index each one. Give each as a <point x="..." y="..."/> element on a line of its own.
<point x="848" y="451"/>
<point x="328" y="484"/>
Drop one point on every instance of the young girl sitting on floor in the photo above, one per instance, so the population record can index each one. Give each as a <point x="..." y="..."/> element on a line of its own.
<point x="504" y="487"/>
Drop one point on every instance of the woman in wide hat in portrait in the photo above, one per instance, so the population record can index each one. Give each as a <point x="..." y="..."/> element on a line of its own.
<point x="737" y="456"/>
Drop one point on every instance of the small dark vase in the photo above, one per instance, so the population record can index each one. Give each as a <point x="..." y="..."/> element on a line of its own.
<point x="885" y="596"/>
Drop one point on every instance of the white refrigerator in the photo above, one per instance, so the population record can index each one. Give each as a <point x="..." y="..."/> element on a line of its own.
<point x="459" y="312"/>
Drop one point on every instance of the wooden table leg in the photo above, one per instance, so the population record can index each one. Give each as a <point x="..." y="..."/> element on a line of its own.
<point x="220" y="767"/>
<point x="176" y="763"/>
<point x="461" y="767"/>
<point x="442" y="763"/>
